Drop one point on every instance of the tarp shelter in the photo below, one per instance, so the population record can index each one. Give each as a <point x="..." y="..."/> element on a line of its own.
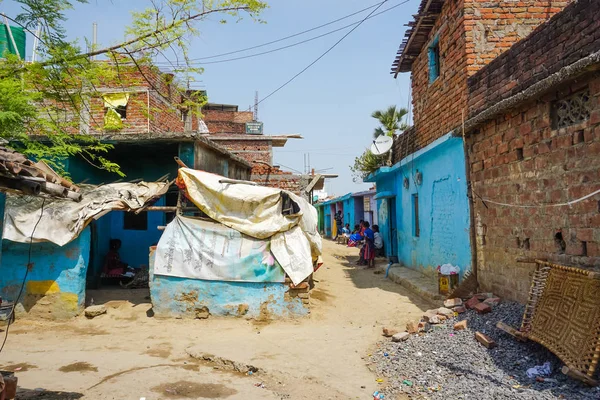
<point x="63" y="220"/>
<point x="286" y="220"/>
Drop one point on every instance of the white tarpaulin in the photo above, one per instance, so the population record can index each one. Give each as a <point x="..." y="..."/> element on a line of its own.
<point x="197" y="249"/>
<point x="258" y="211"/>
<point x="63" y="220"/>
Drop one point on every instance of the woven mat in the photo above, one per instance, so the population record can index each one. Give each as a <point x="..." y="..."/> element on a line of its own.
<point x="563" y="314"/>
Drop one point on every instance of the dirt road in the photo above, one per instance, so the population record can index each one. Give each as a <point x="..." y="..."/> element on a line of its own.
<point x="126" y="354"/>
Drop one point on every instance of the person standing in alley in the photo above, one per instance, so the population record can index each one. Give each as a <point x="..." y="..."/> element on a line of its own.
<point x="369" y="246"/>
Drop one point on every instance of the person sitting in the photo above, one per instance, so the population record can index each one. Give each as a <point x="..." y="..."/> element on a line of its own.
<point x="378" y="242"/>
<point x="112" y="263"/>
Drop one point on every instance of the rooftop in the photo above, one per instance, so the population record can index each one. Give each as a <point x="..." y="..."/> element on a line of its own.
<point x="416" y="36"/>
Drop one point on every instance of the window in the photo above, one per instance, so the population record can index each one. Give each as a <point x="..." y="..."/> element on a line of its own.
<point x="416" y="229"/>
<point x="122" y="111"/>
<point x="135" y="222"/>
<point x="571" y="110"/>
<point x="433" y="52"/>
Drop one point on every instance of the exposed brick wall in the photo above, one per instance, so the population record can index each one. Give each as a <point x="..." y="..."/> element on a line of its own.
<point x="493" y="27"/>
<point x="250" y="150"/>
<point x="566" y="38"/>
<point x="520" y="159"/>
<point x="276" y="178"/>
<point x="220" y="122"/>
<point x="471" y="34"/>
<point x="437" y="107"/>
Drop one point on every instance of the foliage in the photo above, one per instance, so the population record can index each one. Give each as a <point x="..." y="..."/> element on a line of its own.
<point x="42" y="103"/>
<point x="366" y="164"/>
<point x="390" y="120"/>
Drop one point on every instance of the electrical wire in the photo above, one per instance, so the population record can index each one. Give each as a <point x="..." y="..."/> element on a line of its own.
<point x="287" y="37"/>
<point x="568" y="203"/>
<point x="12" y="312"/>
<point x="278" y="48"/>
<point x="325" y="53"/>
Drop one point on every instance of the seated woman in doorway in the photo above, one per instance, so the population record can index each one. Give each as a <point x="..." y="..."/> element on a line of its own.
<point x="112" y="263"/>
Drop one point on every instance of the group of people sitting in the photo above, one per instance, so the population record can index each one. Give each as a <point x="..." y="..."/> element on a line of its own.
<point x="368" y="239"/>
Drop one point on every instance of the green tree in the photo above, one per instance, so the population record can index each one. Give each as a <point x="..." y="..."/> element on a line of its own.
<point x="390" y="120"/>
<point x="42" y="103"/>
<point x="366" y="164"/>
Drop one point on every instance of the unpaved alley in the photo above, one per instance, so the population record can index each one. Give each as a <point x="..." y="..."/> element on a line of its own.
<point x="127" y="354"/>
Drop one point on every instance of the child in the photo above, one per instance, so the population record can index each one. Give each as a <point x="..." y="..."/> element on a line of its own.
<point x="378" y="242"/>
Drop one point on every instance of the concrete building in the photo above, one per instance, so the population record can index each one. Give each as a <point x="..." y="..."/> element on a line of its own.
<point x="533" y="140"/>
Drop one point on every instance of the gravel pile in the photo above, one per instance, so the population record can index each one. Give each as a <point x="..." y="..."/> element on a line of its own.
<point x="448" y="364"/>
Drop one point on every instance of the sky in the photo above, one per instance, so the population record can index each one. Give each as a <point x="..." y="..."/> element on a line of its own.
<point x="329" y="105"/>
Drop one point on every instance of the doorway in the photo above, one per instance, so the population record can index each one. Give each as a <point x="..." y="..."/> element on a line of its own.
<point x="393" y="231"/>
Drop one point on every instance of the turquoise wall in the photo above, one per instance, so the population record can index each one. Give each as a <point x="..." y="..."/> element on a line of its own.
<point x="444" y="219"/>
<point x="55" y="286"/>
<point x="181" y="297"/>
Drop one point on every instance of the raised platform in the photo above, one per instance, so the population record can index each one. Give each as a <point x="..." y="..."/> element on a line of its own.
<point x="423" y="285"/>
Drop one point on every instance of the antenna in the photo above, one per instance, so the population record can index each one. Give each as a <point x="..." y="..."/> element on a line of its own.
<point x="256" y="105"/>
<point x="382" y="145"/>
<point x="94" y="37"/>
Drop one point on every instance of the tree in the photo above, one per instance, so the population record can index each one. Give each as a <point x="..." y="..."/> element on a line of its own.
<point x="365" y="164"/>
<point x="41" y="103"/>
<point x="390" y="120"/>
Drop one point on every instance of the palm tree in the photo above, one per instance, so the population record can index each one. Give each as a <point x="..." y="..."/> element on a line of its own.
<point x="390" y="120"/>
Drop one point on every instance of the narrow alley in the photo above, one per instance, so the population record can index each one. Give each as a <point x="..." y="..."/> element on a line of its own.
<point x="117" y="355"/>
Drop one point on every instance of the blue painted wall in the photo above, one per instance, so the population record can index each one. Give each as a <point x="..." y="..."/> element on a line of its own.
<point x="55" y="286"/>
<point x="443" y="207"/>
<point x="181" y="297"/>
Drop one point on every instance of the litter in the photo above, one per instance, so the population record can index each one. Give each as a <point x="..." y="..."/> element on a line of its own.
<point x="260" y="385"/>
<point x="378" y="396"/>
<point x="379" y="380"/>
<point x="540" y="370"/>
<point x="407" y="382"/>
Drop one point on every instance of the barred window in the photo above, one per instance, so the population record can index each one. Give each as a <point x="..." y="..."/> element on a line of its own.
<point x="571" y="110"/>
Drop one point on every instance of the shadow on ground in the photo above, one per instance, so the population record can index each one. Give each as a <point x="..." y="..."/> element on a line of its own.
<point x="29" y="394"/>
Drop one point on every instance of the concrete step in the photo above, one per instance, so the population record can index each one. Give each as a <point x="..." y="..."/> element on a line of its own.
<point x="420" y="284"/>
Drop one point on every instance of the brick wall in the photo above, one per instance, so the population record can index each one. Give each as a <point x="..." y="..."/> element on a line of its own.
<point x="250" y="150"/>
<point x="493" y="27"/>
<point x="437" y="106"/>
<point x="471" y="34"/>
<point x="566" y="38"/>
<point x="276" y="178"/>
<point x="227" y="121"/>
<point x="520" y="159"/>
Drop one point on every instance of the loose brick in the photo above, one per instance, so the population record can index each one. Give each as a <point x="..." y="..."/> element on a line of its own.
<point x="482" y="308"/>
<point x="389" y="332"/>
<point x="461" y="325"/>
<point x="493" y="301"/>
<point x="453" y="303"/>
<point x="472" y="302"/>
<point x="485" y="340"/>
<point x="460" y="310"/>
<point x="400" y="337"/>
<point x="412" y="327"/>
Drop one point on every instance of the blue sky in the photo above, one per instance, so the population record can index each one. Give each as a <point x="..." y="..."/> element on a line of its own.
<point x="329" y="105"/>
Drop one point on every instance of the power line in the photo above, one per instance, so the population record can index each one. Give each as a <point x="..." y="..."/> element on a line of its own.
<point x="325" y="53"/>
<point x="282" y="47"/>
<point x="290" y="36"/>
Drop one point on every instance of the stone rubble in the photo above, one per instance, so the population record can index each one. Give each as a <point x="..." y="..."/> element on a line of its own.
<point x="448" y="364"/>
<point x="94" y="311"/>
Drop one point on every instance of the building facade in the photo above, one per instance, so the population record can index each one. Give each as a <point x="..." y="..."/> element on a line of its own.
<point x="533" y="136"/>
<point x="423" y="198"/>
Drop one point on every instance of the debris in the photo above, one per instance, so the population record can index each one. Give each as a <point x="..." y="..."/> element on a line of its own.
<point x="460" y="309"/>
<point x="94" y="311"/>
<point x="407" y="382"/>
<point x="482" y="308"/>
<point x="446" y="312"/>
<point x="260" y="385"/>
<point x="379" y="380"/>
<point x="389" y="332"/>
<point x="462" y="325"/>
<point x="424" y="326"/>
<point x="483" y="296"/>
<point x="485" y="340"/>
<point x="453" y="303"/>
<point x="400" y="337"/>
<point x="492" y="301"/>
<point x="540" y="370"/>
<point x="412" y="327"/>
<point x="472" y="302"/>
<point x="511" y="331"/>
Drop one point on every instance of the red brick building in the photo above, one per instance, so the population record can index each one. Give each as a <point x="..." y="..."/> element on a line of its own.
<point x="450" y="40"/>
<point x="533" y="137"/>
<point x="227" y="127"/>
